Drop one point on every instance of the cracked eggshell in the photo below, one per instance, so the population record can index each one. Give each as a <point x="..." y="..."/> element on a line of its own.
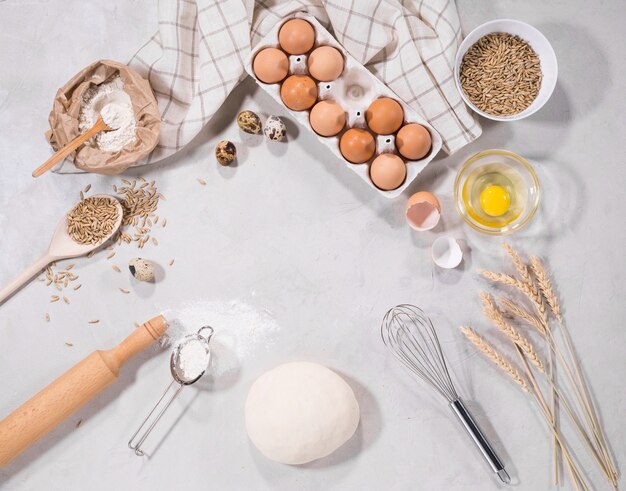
<point x="446" y="252"/>
<point x="141" y="269"/>
<point x="423" y="211"/>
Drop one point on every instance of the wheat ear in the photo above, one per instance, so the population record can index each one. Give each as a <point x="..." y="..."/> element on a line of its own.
<point x="533" y="295"/>
<point x="545" y="285"/>
<point x="490" y="352"/>
<point x="514" y="310"/>
<point x="521" y="268"/>
<point x="492" y="313"/>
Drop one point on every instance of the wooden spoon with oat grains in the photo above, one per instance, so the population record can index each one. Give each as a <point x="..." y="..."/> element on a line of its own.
<point x="67" y="244"/>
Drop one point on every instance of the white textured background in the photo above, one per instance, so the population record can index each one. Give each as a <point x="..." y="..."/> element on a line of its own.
<point x="291" y="257"/>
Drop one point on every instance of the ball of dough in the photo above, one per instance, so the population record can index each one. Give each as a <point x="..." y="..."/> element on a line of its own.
<point x="299" y="412"/>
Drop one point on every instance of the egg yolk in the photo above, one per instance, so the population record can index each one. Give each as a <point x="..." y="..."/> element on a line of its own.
<point x="495" y="201"/>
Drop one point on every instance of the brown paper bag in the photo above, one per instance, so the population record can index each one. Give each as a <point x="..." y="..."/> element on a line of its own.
<point x="66" y="109"/>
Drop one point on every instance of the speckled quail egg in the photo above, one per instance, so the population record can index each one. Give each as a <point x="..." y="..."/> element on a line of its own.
<point x="249" y="122"/>
<point x="275" y="129"/>
<point x="141" y="269"/>
<point x="225" y="152"/>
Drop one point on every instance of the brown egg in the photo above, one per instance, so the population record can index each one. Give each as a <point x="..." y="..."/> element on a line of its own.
<point x="296" y="36"/>
<point x="388" y="171"/>
<point x="325" y="63"/>
<point x="270" y="65"/>
<point x="384" y="116"/>
<point x="413" y="141"/>
<point x="327" y="118"/>
<point x="298" y="92"/>
<point x="357" y="145"/>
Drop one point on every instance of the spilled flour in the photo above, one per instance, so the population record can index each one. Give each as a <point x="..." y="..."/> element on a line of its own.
<point x="240" y="329"/>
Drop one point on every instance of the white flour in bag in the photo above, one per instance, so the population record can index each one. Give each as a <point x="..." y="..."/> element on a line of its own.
<point x="110" y="101"/>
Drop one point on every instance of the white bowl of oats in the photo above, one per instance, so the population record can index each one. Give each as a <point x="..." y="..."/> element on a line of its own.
<point x="505" y="70"/>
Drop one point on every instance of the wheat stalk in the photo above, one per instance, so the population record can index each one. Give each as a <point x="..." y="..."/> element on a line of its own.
<point x="582" y="391"/>
<point x="492" y="313"/>
<point x="521" y="268"/>
<point x="533" y="295"/>
<point x="576" y="379"/>
<point x="577" y="478"/>
<point x="491" y="353"/>
<point x="545" y="285"/>
<point x="515" y="310"/>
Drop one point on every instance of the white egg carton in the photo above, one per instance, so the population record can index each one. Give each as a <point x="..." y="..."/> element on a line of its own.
<point x="354" y="90"/>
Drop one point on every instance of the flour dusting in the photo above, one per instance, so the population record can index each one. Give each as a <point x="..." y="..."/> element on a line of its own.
<point x="240" y="329"/>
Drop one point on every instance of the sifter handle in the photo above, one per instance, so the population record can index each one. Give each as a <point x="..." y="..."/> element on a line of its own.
<point x="474" y="431"/>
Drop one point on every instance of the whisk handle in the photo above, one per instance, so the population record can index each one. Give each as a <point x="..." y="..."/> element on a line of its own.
<point x="479" y="439"/>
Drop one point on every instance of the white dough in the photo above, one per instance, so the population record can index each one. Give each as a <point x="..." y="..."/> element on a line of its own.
<point x="299" y="412"/>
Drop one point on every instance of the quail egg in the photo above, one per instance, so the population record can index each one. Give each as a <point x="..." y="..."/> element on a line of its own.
<point x="141" y="269"/>
<point x="275" y="129"/>
<point x="249" y="122"/>
<point x="225" y="152"/>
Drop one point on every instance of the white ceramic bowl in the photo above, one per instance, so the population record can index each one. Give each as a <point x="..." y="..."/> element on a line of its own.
<point x="537" y="41"/>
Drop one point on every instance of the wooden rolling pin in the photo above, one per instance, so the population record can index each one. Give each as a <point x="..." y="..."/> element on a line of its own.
<point x="74" y="388"/>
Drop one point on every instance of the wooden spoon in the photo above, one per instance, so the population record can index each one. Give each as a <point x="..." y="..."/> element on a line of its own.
<point x="71" y="146"/>
<point x="62" y="246"/>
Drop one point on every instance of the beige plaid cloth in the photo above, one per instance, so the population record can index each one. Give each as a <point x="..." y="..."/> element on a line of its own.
<point x="198" y="54"/>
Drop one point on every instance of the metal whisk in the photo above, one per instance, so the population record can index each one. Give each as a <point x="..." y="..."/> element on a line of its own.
<point x="411" y="337"/>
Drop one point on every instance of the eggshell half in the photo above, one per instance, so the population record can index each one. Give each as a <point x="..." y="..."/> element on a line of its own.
<point x="423" y="211"/>
<point x="446" y="252"/>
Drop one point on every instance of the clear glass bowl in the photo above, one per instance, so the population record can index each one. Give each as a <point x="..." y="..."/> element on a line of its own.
<point x="524" y="200"/>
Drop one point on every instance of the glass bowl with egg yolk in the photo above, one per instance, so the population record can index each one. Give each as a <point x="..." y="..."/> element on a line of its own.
<point x="496" y="192"/>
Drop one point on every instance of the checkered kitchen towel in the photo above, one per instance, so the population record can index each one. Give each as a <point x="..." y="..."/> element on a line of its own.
<point x="197" y="57"/>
